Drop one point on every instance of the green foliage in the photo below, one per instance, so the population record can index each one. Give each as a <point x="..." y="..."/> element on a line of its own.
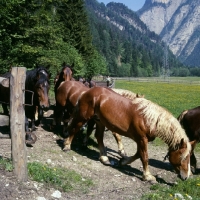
<point x="59" y="178"/>
<point x="47" y="33"/>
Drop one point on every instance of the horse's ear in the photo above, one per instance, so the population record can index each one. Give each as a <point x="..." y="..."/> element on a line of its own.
<point x="72" y="66"/>
<point x="64" y="64"/>
<point x="182" y="144"/>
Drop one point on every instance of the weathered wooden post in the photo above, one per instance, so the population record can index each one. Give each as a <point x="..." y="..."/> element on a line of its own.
<point x="17" y="122"/>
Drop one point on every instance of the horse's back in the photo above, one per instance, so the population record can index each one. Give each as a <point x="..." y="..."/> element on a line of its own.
<point x="69" y="91"/>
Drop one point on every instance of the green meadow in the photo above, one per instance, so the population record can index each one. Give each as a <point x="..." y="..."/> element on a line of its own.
<point x="175" y="97"/>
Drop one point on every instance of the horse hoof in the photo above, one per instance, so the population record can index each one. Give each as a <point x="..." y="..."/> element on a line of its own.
<point x="149" y="178"/>
<point x="105" y="160"/>
<point x="123" y="161"/>
<point x="122" y="153"/>
<point x="66" y="149"/>
<point x="30" y="138"/>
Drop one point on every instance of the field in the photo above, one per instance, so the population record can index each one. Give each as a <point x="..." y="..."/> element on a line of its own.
<point x="176" y="97"/>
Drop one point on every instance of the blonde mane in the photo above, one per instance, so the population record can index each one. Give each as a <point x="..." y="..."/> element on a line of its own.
<point x="127" y="94"/>
<point x="163" y="124"/>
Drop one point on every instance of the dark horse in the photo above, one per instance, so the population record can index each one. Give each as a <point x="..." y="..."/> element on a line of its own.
<point x="190" y="121"/>
<point x="37" y="87"/>
<point x="5" y="94"/>
<point x="139" y="119"/>
<point x="36" y="96"/>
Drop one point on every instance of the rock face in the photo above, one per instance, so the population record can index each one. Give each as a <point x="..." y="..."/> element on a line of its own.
<point x="178" y="24"/>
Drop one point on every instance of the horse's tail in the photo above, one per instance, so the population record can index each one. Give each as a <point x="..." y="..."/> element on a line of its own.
<point x="181" y="116"/>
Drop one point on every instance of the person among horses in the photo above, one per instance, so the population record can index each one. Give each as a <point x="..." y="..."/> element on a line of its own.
<point x="108" y="80"/>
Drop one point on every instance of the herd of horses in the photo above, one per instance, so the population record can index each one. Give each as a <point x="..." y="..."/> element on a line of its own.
<point x="121" y="111"/>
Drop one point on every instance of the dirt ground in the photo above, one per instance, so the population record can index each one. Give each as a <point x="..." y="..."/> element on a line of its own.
<point x="110" y="182"/>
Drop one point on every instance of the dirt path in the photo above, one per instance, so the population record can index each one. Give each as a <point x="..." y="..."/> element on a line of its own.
<point x="110" y="182"/>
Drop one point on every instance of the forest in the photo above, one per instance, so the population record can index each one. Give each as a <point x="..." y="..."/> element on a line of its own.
<point x="51" y="32"/>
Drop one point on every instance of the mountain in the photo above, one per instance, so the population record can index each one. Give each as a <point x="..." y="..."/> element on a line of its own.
<point x="126" y="42"/>
<point x="177" y="23"/>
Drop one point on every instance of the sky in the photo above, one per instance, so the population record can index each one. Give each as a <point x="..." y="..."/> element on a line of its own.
<point x="132" y="4"/>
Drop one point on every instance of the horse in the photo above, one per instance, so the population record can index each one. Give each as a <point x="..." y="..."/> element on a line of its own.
<point x="66" y="97"/>
<point x="190" y="121"/>
<point x="36" y="96"/>
<point x="5" y="94"/>
<point x="138" y="119"/>
<point x="64" y="75"/>
<point x="129" y="95"/>
<point x="37" y="87"/>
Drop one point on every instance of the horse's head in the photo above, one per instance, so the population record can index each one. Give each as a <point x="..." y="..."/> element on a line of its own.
<point x="180" y="159"/>
<point x="67" y="72"/>
<point x="42" y="88"/>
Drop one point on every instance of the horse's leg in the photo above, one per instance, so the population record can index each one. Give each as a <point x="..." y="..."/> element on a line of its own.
<point x="30" y="137"/>
<point x="39" y="113"/>
<point x="193" y="162"/>
<point x="57" y="117"/>
<point x="66" y="120"/>
<point x="90" y="127"/>
<point x="5" y="109"/>
<point x="99" y="134"/>
<point x="118" y="139"/>
<point x="143" y="155"/>
<point x="33" y="118"/>
<point x="73" y="128"/>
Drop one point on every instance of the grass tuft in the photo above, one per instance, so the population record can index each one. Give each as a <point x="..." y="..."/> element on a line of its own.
<point x="59" y="178"/>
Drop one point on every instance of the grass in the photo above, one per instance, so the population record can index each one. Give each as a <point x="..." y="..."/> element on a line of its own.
<point x="59" y="178"/>
<point x="175" y="97"/>
<point x="188" y="189"/>
<point x="6" y="164"/>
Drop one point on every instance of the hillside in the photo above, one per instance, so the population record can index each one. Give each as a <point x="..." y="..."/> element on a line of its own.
<point x="126" y="42"/>
<point x="177" y="23"/>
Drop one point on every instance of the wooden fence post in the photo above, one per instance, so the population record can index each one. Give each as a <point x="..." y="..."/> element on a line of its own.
<point x="17" y="122"/>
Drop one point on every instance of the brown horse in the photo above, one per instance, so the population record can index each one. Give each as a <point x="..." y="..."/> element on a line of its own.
<point x="129" y="95"/>
<point x="139" y="119"/>
<point x="66" y="98"/>
<point x="190" y="121"/>
<point x="64" y="75"/>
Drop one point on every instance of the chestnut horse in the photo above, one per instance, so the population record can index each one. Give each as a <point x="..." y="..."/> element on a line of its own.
<point x="129" y="95"/>
<point x="64" y="75"/>
<point x="190" y="121"/>
<point x="139" y="119"/>
<point x="66" y="98"/>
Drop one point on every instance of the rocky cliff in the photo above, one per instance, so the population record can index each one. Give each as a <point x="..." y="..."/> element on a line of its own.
<point x="178" y="24"/>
